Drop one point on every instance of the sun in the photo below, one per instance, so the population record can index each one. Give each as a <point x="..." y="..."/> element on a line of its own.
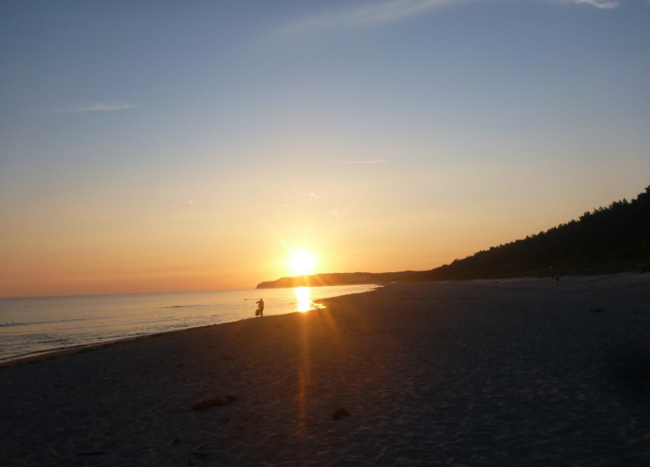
<point x="302" y="263"/>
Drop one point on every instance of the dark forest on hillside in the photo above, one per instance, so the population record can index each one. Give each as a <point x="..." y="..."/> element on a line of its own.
<point x="606" y="240"/>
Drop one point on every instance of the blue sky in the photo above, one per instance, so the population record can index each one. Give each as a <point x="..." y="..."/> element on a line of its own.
<point x="199" y="141"/>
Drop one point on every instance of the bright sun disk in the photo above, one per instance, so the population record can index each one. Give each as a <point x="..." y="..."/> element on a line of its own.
<point x="302" y="263"/>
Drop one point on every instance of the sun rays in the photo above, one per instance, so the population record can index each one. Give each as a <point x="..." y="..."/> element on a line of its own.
<point x="301" y="263"/>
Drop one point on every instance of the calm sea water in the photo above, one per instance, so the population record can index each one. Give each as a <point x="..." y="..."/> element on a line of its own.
<point x="29" y="325"/>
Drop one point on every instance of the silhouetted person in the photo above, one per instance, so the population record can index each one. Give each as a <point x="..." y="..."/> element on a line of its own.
<point x="260" y="307"/>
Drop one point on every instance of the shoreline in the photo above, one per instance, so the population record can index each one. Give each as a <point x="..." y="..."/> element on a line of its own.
<point x="49" y="354"/>
<point x="63" y="351"/>
<point x="506" y="372"/>
<point x="81" y="348"/>
<point x="56" y="352"/>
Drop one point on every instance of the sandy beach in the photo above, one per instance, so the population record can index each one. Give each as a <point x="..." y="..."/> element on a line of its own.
<point x="511" y="373"/>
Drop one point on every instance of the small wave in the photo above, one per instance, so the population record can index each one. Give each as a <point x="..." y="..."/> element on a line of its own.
<point x="55" y="341"/>
<point x="32" y="323"/>
<point x="200" y="305"/>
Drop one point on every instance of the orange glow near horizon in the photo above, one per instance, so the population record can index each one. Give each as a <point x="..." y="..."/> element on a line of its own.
<point x="57" y="253"/>
<point x="275" y="158"/>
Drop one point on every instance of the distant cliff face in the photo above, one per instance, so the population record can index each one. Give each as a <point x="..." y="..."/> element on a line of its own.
<point x="320" y="280"/>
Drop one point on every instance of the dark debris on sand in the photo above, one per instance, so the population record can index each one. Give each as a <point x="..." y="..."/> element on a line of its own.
<point x="338" y="413"/>
<point x="215" y="402"/>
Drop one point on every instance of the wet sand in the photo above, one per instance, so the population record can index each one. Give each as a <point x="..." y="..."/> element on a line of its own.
<point x="511" y="372"/>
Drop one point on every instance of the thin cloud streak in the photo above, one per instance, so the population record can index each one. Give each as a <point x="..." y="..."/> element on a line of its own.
<point x="376" y="161"/>
<point x="309" y="197"/>
<point x="394" y="10"/>
<point x="100" y="107"/>
<point x="377" y="13"/>
<point x="603" y="4"/>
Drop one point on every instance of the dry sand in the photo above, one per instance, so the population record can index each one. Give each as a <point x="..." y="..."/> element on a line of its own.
<point x="514" y="372"/>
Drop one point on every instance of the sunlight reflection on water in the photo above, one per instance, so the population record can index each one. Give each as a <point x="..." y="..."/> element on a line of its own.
<point x="302" y="295"/>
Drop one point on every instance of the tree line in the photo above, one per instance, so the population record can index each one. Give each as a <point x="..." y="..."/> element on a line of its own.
<point x="608" y="239"/>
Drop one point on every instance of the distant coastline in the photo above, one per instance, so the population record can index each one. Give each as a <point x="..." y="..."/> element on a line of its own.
<point x="336" y="279"/>
<point x="441" y="274"/>
<point x="608" y="240"/>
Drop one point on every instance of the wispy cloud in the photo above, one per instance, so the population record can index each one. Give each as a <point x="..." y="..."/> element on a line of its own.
<point x="303" y="198"/>
<point x="376" y="13"/>
<point x="99" y="107"/>
<point x="288" y="205"/>
<point x="386" y="11"/>
<point x="605" y="4"/>
<point x="373" y="161"/>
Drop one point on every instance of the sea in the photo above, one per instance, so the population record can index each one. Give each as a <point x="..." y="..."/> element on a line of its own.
<point x="34" y="325"/>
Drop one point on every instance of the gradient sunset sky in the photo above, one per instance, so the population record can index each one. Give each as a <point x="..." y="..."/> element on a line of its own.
<point x="191" y="145"/>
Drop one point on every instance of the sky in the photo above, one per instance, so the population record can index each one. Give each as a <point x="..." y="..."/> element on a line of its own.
<point x="173" y="145"/>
